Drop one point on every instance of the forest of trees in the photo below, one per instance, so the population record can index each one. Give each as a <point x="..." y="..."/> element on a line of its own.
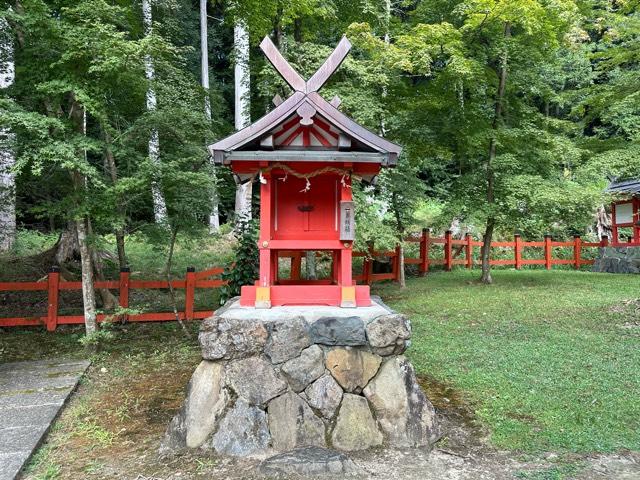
<point x="513" y="114"/>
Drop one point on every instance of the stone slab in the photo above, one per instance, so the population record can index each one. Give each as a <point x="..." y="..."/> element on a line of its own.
<point x="31" y="396"/>
<point x="310" y="313"/>
<point x="309" y="461"/>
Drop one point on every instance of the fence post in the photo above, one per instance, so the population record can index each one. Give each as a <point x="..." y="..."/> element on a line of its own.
<point x="123" y="293"/>
<point x="577" y="252"/>
<point x="468" y="250"/>
<point x="604" y="241"/>
<point x="53" y="281"/>
<point x="547" y="251"/>
<point x="517" y="250"/>
<point x="190" y="289"/>
<point x="447" y="251"/>
<point x="424" y="248"/>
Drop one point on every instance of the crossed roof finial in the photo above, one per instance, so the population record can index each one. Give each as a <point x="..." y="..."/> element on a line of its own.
<point x="293" y="78"/>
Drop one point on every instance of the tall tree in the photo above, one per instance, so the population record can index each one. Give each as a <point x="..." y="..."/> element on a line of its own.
<point x="491" y="157"/>
<point x="159" y="203"/>
<point x="244" y="191"/>
<point x="7" y="142"/>
<point x="214" y="216"/>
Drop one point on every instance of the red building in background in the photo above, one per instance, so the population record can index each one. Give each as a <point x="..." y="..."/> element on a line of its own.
<point x="625" y="212"/>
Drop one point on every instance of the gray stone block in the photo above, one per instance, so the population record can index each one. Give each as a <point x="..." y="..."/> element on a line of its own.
<point x="344" y="331"/>
<point x="306" y="368"/>
<point x="287" y="338"/>
<point x="309" y="462"/>
<point x="255" y="380"/>
<point x="293" y="424"/>
<point x="243" y="432"/>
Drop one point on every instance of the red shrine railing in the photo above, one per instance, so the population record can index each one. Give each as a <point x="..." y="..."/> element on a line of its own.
<point x="450" y="252"/>
<point x="53" y="285"/>
<point x="454" y="251"/>
<point x="461" y="252"/>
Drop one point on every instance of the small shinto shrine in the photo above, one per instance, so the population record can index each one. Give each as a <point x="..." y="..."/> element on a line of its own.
<point x="625" y="212"/>
<point x="305" y="154"/>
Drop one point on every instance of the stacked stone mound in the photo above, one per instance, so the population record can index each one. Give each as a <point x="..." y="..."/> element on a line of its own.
<point x="617" y="260"/>
<point x="273" y="383"/>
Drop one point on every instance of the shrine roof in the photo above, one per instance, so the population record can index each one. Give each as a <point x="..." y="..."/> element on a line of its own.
<point x="306" y="123"/>
<point x="629" y="186"/>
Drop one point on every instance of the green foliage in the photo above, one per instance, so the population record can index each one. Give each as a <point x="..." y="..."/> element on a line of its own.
<point x="425" y="74"/>
<point x="244" y="271"/>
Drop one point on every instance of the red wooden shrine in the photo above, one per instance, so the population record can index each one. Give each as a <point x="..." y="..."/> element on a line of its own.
<point x="305" y="154"/>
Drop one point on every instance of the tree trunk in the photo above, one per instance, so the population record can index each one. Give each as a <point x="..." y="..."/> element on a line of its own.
<point x="297" y="29"/>
<point x="167" y="272"/>
<point x="159" y="204"/>
<point x="278" y="32"/>
<point x="113" y="173"/>
<point x="310" y="265"/>
<point x="387" y="40"/>
<point x="7" y="142"/>
<point x="485" y="252"/>
<point x="491" y="220"/>
<point x="77" y="114"/>
<point x="244" y="194"/>
<point x="400" y="226"/>
<point x="242" y="113"/>
<point x="109" y="301"/>
<point x="88" y="294"/>
<point x="401" y="277"/>
<point x="214" y="216"/>
<point x="603" y="222"/>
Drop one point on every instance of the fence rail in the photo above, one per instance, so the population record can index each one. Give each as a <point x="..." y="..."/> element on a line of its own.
<point x="460" y="252"/>
<point x="53" y="285"/>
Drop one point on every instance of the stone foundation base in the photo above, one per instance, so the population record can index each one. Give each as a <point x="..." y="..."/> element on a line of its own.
<point x="289" y="377"/>
<point x="617" y="260"/>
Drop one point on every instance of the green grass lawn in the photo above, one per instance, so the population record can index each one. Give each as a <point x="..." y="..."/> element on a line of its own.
<point x="548" y="360"/>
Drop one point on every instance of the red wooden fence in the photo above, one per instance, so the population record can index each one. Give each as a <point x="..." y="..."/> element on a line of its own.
<point x="463" y="254"/>
<point x="54" y="284"/>
<point x="455" y="252"/>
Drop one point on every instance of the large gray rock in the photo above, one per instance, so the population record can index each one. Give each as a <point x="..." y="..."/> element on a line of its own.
<point x="293" y="424"/>
<point x="324" y="395"/>
<point x="344" y="331"/>
<point x="255" y="380"/>
<point x="352" y="368"/>
<point x="204" y="405"/>
<point x="309" y="462"/>
<point x="287" y="338"/>
<point x="306" y="368"/>
<point x="617" y="260"/>
<point x="355" y="427"/>
<point x="405" y="414"/>
<point x="222" y="338"/>
<point x="243" y="432"/>
<point x="389" y="334"/>
<point x="206" y="400"/>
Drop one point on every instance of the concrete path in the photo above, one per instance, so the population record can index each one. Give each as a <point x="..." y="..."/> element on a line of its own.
<point x="31" y="395"/>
